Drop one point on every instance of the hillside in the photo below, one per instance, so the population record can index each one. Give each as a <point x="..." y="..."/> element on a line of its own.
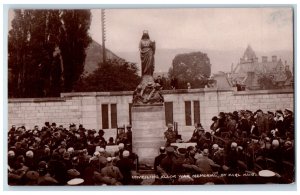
<point x="94" y="56"/>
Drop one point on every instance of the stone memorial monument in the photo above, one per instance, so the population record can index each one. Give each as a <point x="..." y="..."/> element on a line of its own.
<point x="148" y="113"/>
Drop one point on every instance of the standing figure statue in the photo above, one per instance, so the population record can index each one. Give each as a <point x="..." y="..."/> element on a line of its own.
<point x="148" y="91"/>
<point x="147" y="51"/>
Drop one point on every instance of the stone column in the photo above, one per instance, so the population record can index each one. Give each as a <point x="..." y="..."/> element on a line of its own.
<point x="148" y="126"/>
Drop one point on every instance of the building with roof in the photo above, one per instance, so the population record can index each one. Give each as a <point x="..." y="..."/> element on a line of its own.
<point x="250" y="71"/>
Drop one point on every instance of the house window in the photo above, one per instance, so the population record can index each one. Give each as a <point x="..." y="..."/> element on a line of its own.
<point x="113" y="116"/>
<point x="196" y="112"/>
<point x="188" y="113"/>
<point x="104" y="109"/>
<point x="169" y="112"/>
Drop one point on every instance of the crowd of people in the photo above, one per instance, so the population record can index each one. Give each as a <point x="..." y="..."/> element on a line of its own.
<point x="239" y="148"/>
<point x="58" y="156"/>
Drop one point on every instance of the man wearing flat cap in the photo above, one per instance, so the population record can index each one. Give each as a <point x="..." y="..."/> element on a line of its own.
<point x="261" y="122"/>
<point x="221" y="123"/>
<point x="170" y="135"/>
<point x="128" y="140"/>
<point x="112" y="172"/>
<point x="288" y="120"/>
<point x="231" y="124"/>
<point x="166" y="165"/>
<point x="158" y="159"/>
<point x="270" y="122"/>
<point x="196" y="134"/>
<point x="126" y="167"/>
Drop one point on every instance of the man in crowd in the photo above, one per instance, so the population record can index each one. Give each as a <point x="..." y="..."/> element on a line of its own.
<point x="159" y="158"/>
<point x="126" y="167"/>
<point x="170" y="135"/>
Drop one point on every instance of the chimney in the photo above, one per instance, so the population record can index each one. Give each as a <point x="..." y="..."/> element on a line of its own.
<point x="274" y="58"/>
<point x="264" y="59"/>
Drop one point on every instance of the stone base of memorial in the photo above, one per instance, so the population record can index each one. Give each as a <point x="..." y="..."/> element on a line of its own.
<point x="148" y="125"/>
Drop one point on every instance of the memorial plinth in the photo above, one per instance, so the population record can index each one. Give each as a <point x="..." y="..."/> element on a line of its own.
<point x="148" y="125"/>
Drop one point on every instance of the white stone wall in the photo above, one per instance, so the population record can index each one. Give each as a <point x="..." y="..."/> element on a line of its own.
<point x="85" y="108"/>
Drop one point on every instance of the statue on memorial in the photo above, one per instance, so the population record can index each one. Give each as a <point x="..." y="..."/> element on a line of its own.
<point x="148" y="91"/>
<point x="147" y="51"/>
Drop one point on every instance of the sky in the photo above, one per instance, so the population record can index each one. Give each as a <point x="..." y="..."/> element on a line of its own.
<point x="199" y="29"/>
<point x="265" y="29"/>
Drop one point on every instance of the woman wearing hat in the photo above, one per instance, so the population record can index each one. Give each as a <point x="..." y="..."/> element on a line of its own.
<point x="147" y="51"/>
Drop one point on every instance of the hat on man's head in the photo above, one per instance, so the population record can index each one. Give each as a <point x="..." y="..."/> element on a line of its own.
<point x="96" y="153"/>
<point x="214" y="118"/>
<point x="289" y="111"/>
<point x="162" y="149"/>
<point x="128" y="126"/>
<point x="70" y="150"/>
<point x="126" y="153"/>
<point x="233" y="145"/>
<point x="73" y="173"/>
<point x="259" y="110"/>
<point x="275" y="143"/>
<point x="269" y="112"/>
<point x="248" y="111"/>
<point x="121" y="146"/>
<point x="222" y="114"/>
<point x="279" y="112"/>
<point x="199" y="125"/>
<point x="29" y="154"/>
<point x="101" y="131"/>
<point x="72" y="125"/>
<point x="215" y="146"/>
<point x="145" y="31"/>
<point x="109" y="159"/>
<point x="11" y="153"/>
<point x="90" y="131"/>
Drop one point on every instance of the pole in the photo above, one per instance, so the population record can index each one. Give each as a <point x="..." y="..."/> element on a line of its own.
<point x="103" y="35"/>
